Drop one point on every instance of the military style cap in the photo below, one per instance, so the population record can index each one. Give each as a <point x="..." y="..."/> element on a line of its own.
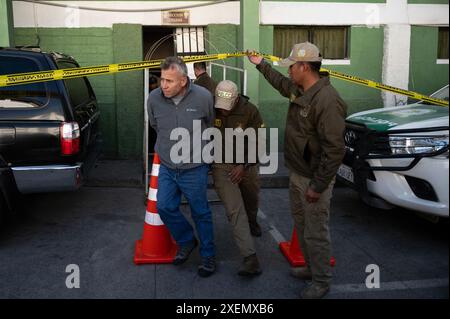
<point x="226" y="95"/>
<point x="302" y="52"/>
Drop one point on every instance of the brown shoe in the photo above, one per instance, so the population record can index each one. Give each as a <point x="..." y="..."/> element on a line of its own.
<point x="255" y="229"/>
<point x="250" y="267"/>
<point x="315" y="291"/>
<point x="301" y="273"/>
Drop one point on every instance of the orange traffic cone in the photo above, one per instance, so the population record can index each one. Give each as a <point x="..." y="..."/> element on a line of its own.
<point x="157" y="245"/>
<point x="291" y="250"/>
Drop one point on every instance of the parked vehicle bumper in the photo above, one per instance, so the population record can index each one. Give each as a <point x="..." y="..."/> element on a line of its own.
<point x="394" y="188"/>
<point x="51" y="178"/>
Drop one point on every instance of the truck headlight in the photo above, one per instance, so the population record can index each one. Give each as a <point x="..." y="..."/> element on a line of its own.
<point x="417" y="144"/>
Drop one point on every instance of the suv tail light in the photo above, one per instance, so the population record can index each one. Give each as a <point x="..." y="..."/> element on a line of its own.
<point x="70" y="138"/>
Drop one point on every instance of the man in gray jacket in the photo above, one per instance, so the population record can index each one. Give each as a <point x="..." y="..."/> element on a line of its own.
<point x="179" y="108"/>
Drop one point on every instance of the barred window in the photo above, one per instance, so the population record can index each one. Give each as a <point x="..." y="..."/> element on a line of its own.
<point x="331" y="41"/>
<point x="190" y="41"/>
<point x="443" y="43"/>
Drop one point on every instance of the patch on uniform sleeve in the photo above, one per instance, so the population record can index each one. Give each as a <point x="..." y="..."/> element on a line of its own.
<point x="218" y="123"/>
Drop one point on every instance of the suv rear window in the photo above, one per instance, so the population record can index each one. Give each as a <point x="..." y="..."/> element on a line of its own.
<point x="79" y="91"/>
<point x="25" y="95"/>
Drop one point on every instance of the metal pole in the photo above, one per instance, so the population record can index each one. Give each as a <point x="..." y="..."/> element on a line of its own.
<point x="146" y="88"/>
<point x="245" y="82"/>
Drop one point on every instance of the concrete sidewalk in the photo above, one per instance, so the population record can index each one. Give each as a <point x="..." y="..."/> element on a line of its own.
<point x="130" y="173"/>
<point x="116" y="173"/>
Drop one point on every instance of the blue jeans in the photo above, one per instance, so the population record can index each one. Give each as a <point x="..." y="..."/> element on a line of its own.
<point x="193" y="184"/>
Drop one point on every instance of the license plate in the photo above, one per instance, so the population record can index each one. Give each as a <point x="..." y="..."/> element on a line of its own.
<point x="346" y="173"/>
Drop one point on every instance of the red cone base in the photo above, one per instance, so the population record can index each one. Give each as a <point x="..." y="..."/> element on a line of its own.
<point x="163" y="250"/>
<point x="140" y="258"/>
<point x="291" y="250"/>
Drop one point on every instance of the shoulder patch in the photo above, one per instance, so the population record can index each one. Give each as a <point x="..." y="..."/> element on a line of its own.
<point x="218" y="123"/>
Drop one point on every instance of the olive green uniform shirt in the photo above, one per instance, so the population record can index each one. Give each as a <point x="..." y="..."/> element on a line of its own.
<point x="207" y="82"/>
<point x="244" y="115"/>
<point x="314" y="138"/>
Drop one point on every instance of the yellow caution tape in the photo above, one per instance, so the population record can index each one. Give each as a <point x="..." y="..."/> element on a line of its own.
<point x="373" y="84"/>
<point x="63" y="74"/>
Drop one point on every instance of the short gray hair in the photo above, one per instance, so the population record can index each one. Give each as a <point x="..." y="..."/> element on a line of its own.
<point x="174" y="62"/>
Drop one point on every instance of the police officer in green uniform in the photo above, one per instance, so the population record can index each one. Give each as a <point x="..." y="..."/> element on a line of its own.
<point x="203" y="78"/>
<point x="314" y="149"/>
<point x="237" y="184"/>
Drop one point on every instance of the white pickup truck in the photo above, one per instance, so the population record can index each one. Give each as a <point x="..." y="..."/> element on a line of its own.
<point x="399" y="156"/>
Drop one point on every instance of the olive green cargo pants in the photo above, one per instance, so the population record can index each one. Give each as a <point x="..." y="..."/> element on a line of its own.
<point x="240" y="201"/>
<point x="311" y="222"/>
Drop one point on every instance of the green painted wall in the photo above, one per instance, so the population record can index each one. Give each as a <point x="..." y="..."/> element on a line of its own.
<point x="127" y="46"/>
<point x="425" y="75"/>
<point x="345" y="1"/>
<point x="250" y="39"/>
<point x="6" y="21"/>
<point x="428" y="1"/>
<point x="222" y="38"/>
<point x="120" y="97"/>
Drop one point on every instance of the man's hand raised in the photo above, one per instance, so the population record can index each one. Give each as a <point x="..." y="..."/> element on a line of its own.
<point x="253" y="58"/>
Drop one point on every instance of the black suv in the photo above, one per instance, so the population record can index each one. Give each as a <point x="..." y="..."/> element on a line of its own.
<point x="48" y="130"/>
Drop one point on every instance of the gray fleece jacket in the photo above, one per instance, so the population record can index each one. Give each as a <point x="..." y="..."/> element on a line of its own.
<point x="167" y="118"/>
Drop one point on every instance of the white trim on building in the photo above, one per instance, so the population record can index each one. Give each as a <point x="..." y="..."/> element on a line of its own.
<point x="271" y="13"/>
<point x="336" y="62"/>
<point x="30" y="15"/>
<point x="442" y="61"/>
<point x="369" y="14"/>
<point x="396" y="60"/>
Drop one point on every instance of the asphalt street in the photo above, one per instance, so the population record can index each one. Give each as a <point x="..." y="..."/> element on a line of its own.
<point x="96" y="228"/>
